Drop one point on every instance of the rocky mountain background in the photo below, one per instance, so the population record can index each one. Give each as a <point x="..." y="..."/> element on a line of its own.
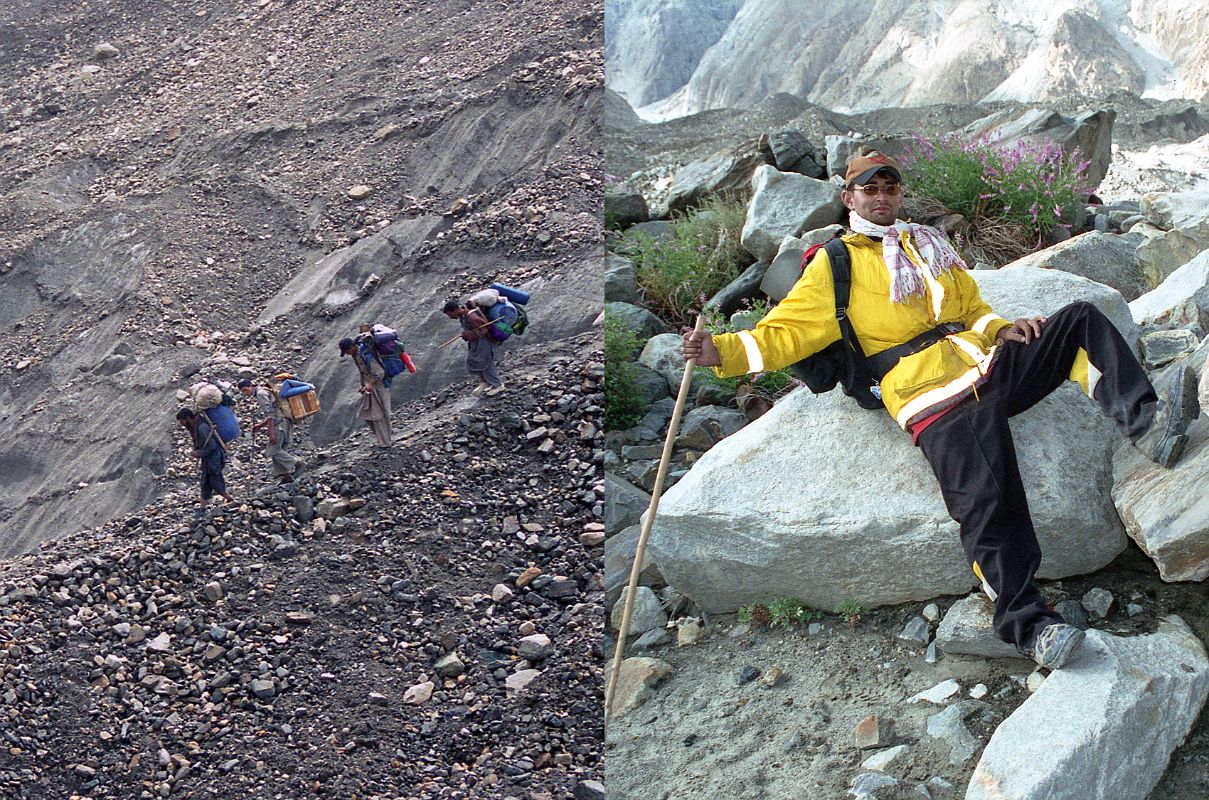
<point x="226" y="186"/>
<point x="886" y="682"/>
<point x="217" y="189"/>
<point x="673" y="58"/>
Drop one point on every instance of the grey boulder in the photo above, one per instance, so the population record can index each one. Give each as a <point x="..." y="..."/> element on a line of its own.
<point x="1111" y="719"/>
<point x="1101" y="257"/>
<point x="782" y="508"/>
<point x="786" y="204"/>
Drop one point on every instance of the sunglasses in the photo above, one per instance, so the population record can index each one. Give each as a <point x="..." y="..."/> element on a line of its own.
<point x="870" y="190"/>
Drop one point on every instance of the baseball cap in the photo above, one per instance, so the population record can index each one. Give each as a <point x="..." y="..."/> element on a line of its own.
<point x="862" y="168"/>
<point x="345" y="344"/>
<point x="243" y="383"/>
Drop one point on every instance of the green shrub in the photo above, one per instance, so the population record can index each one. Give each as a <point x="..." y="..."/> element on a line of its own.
<point x="623" y="402"/>
<point x="791" y="610"/>
<point x="1013" y="196"/>
<point x="783" y="611"/>
<point x="704" y="254"/>
<point x="768" y="384"/>
<point x="850" y="610"/>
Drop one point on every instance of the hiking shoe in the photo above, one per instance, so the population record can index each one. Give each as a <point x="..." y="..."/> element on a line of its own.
<point x="1055" y="645"/>
<point x="479" y="389"/>
<point x="299" y="468"/>
<point x="1163" y="442"/>
<point x="494" y="390"/>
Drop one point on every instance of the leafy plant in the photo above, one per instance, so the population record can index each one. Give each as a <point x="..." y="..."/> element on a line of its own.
<point x="624" y="404"/>
<point x="784" y="611"/>
<point x="703" y="254"/>
<point x="768" y="384"/>
<point x="791" y="610"/>
<point x="851" y="611"/>
<point x="1012" y="195"/>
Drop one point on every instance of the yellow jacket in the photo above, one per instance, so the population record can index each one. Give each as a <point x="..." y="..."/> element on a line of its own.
<point x="920" y="384"/>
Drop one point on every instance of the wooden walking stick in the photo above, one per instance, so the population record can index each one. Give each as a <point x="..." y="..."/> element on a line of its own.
<point x="640" y="552"/>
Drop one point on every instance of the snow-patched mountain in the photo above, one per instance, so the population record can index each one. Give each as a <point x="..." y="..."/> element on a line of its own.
<point x="868" y="54"/>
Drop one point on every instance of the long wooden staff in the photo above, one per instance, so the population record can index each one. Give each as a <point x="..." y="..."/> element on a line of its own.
<point x="640" y="552"/>
<point x="459" y="336"/>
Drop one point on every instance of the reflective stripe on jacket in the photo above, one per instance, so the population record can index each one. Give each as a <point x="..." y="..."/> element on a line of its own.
<point x="921" y="384"/>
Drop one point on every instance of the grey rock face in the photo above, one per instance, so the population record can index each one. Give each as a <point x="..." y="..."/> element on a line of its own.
<point x="1104" y="258"/>
<point x="1186" y="212"/>
<point x="638" y="319"/>
<point x="1166" y="511"/>
<point x="620" y="281"/>
<point x="704" y="427"/>
<point x="713" y="175"/>
<point x="624" y="207"/>
<point x="1182" y="300"/>
<point x="652" y="48"/>
<point x="786" y="268"/>
<point x="730" y="298"/>
<point x="795" y="519"/>
<point x="648" y="612"/>
<point x="625" y="503"/>
<point x="1160" y="348"/>
<point x="786" y="204"/>
<point x="1112" y="718"/>
<point x="1030" y="291"/>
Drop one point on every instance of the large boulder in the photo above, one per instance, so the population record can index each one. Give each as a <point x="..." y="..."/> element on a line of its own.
<point x="624" y="504"/>
<point x="842" y="148"/>
<point x="1108" y="721"/>
<point x="730" y="297"/>
<point x="1090" y="133"/>
<point x="786" y="268"/>
<point x="786" y="204"/>
<point x="1186" y="212"/>
<point x="1166" y="511"/>
<point x="1101" y="257"/>
<point x="782" y="508"/>
<point x="1162" y="252"/>
<point x="1181" y="301"/>
<point x="1031" y="291"/>
<point x="717" y="174"/>
<point x="643" y="323"/>
<point x="621" y="280"/>
<point x="664" y="355"/>
<point x="793" y="152"/>
<point x="624" y="206"/>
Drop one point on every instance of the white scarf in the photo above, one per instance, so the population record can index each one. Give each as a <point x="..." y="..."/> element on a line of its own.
<point x="904" y="247"/>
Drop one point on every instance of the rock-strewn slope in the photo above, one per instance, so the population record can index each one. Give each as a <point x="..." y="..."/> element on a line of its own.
<point x="164" y="175"/>
<point x="419" y="622"/>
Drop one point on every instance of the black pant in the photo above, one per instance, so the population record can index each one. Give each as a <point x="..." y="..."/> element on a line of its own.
<point x="973" y="457"/>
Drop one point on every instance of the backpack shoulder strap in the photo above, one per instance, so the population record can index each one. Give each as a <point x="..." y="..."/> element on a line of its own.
<point x="213" y="433"/>
<point x="841" y="279"/>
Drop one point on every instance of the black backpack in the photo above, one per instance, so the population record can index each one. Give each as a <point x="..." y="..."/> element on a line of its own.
<point x="843" y="361"/>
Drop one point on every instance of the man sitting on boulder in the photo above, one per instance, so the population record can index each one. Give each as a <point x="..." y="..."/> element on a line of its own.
<point x="955" y="395"/>
<point x="208" y="447"/>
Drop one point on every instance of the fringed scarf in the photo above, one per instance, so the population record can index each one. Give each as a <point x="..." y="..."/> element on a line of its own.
<point x="904" y="246"/>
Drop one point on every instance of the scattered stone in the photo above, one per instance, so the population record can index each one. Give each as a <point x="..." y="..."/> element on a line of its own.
<point x="873" y="732"/>
<point x="747" y="674"/>
<point x="1034" y="681"/>
<point x="774" y="677"/>
<point x="917" y="630"/>
<point x="419" y="693"/>
<point x="866" y="785"/>
<point x="979" y="691"/>
<point x="360" y="191"/>
<point x="879" y="761"/>
<point x="1100" y="602"/>
<point x="636" y="679"/>
<point x="932" y="612"/>
<point x="949" y="726"/>
<point x="938" y="693"/>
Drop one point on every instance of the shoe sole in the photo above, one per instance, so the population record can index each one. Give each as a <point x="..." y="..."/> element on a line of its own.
<point x="1063" y="654"/>
<point x="1187" y="406"/>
